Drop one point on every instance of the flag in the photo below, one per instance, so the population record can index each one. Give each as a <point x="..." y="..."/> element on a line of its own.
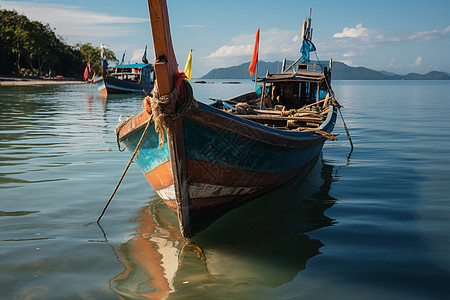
<point x="254" y="61"/>
<point x="307" y="46"/>
<point x="87" y="71"/>
<point x="123" y="58"/>
<point x="188" y="66"/>
<point x="144" y="57"/>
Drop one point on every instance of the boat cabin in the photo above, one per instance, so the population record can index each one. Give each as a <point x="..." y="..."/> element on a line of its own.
<point x="295" y="89"/>
<point x="295" y="99"/>
<point x="140" y="73"/>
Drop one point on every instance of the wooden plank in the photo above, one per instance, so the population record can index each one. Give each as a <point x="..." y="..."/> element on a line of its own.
<point x="279" y="118"/>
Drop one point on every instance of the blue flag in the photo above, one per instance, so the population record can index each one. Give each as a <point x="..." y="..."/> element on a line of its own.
<point x="305" y="49"/>
<point x="144" y="58"/>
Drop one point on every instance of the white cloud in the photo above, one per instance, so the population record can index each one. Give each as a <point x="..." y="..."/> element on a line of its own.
<point x="272" y="42"/>
<point x="393" y="65"/>
<point x="74" y="21"/>
<point x="429" y="35"/>
<point x="356" y="32"/>
<point x="233" y="50"/>
<point x="136" y="55"/>
<point x="348" y="62"/>
<point x="360" y="40"/>
<point x="193" y="26"/>
<point x="417" y="63"/>
<point x="349" y="54"/>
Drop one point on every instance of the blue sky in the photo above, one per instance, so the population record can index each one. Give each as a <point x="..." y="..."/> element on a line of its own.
<point x="397" y="36"/>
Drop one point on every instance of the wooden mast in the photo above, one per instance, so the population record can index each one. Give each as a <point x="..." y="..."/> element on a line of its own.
<point x="165" y="61"/>
<point x="166" y="68"/>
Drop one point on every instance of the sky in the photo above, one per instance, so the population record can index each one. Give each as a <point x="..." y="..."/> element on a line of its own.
<point x="399" y="36"/>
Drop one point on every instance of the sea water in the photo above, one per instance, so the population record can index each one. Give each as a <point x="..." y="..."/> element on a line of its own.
<point x="371" y="225"/>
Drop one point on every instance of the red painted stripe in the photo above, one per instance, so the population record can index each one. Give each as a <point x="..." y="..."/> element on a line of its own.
<point x="205" y="172"/>
<point x="160" y="177"/>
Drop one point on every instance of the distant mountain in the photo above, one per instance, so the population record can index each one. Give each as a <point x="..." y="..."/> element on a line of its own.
<point x="387" y="73"/>
<point x="241" y="71"/>
<point x="340" y="71"/>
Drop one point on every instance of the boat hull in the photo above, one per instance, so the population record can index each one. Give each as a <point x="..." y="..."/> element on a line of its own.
<point x="118" y="86"/>
<point x="218" y="161"/>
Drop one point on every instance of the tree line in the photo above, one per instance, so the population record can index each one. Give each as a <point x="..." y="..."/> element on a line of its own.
<point x="31" y="48"/>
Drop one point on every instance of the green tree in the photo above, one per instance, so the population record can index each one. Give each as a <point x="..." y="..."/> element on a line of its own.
<point x="12" y="35"/>
<point x="91" y="54"/>
<point x="34" y="45"/>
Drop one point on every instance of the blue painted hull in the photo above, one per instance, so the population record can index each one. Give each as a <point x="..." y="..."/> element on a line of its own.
<point x="118" y="86"/>
<point x="218" y="161"/>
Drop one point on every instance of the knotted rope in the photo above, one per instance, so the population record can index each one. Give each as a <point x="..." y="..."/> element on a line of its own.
<point x="167" y="109"/>
<point x="331" y="136"/>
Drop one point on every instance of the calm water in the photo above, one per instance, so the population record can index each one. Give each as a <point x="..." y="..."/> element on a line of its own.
<point x="375" y="225"/>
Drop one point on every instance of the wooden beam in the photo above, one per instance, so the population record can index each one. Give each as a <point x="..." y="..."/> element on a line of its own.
<point x="166" y="63"/>
<point x="279" y="118"/>
<point x="166" y="68"/>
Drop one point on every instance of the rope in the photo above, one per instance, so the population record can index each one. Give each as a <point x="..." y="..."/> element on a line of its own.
<point x="167" y="109"/>
<point x="335" y="103"/>
<point x="327" y="135"/>
<point x="125" y="171"/>
<point x="118" y="127"/>
<point x="164" y="112"/>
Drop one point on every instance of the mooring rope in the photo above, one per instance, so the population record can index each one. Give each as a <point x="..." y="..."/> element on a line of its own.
<point x="167" y="109"/>
<point x="338" y="105"/>
<point x="126" y="169"/>
<point x="330" y="136"/>
<point x="164" y="111"/>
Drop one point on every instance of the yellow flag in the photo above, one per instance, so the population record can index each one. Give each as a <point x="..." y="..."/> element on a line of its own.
<point x="188" y="67"/>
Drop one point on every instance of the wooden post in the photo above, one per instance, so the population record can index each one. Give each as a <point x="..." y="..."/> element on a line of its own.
<point x="166" y="68"/>
<point x="166" y="64"/>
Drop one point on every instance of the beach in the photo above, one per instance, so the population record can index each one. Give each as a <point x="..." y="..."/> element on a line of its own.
<point x="21" y="81"/>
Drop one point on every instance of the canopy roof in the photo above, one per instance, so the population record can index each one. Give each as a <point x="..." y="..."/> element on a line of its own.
<point x="132" y="66"/>
<point x="298" y="76"/>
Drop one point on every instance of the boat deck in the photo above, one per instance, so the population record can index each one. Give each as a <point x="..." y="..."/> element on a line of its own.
<point x="306" y="118"/>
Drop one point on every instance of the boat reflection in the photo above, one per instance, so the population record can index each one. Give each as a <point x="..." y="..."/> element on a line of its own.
<point x="261" y="243"/>
<point x="90" y="99"/>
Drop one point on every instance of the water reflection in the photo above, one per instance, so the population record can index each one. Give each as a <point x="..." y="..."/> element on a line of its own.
<point x="262" y="243"/>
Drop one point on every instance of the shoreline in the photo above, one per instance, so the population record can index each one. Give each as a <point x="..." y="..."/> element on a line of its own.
<point x="29" y="81"/>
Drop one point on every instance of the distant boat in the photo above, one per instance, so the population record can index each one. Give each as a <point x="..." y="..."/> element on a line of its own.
<point x="202" y="81"/>
<point x="127" y="78"/>
<point x="204" y="160"/>
<point x="99" y="81"/>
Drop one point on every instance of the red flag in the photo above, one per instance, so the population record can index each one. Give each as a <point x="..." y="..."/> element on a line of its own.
<point x="254" y="61"/>
<point x="87" y="71"/>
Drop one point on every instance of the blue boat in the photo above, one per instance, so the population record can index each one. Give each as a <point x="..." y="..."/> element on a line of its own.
<point x="128" y="78"/>
<point x="204" y="160"/>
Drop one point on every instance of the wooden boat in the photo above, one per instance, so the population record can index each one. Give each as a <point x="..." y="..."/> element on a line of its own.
<point x="127" y="78"/>
<point x="100" y="85"/>
<point x="213" y="158"/>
